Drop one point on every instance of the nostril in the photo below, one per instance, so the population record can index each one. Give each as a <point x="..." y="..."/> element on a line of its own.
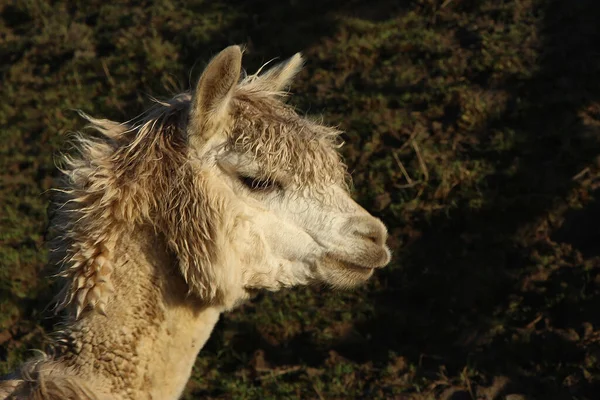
<point x="371" y="236"/>
<point x="370" y="229"/>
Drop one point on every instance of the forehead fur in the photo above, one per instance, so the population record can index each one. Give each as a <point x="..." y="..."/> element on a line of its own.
<point x="283" y="144"/>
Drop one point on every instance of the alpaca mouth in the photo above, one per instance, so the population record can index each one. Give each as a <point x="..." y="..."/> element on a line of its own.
<point x="351" y="270"/>
<point x="349" y="267"/>
<point x="359" y="269"/>
<point x="374" y="258"/>
<point x="342" y="274"/>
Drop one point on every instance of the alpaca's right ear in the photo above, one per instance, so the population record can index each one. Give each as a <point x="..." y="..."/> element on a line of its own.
<point x="213" y="92"/>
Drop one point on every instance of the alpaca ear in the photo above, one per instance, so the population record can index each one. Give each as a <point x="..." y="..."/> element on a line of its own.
<point x="213" y="92"/>
<point x="280" y="76"/>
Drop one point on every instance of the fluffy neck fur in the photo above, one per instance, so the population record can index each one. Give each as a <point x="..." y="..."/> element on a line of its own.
<point x="158" y="329"/>
<point x="145" y="346"/>
<point x="133" y="323"/>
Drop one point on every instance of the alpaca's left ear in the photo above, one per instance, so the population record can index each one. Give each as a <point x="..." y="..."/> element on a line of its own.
<point x="280" y="77"/>
<point x="213" y="92"/>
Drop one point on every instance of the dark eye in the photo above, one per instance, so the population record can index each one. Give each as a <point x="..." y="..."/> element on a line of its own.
<point x="258" y="184"/>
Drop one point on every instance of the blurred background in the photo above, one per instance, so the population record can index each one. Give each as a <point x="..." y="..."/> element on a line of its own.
<point x="472" y="129"/>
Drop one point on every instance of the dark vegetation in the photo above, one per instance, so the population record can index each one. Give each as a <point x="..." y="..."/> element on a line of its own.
<point x="472" y="131"/>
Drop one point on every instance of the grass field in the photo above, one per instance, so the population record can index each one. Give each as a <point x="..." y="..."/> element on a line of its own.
<point x="472" y="129"/>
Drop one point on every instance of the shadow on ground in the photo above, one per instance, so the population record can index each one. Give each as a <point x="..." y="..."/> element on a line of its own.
<point x="452" y="300"/>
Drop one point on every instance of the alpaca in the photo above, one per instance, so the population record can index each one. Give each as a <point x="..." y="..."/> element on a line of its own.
<point x="166" y="221"/>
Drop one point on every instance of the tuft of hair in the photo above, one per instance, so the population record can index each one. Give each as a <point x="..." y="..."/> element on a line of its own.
<point x="41" y="379"/>
<point x="108" y="187"/>
<point x="271" y="134"/>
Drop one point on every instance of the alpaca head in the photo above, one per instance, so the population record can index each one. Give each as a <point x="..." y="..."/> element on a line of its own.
<point x="272" y="202"/>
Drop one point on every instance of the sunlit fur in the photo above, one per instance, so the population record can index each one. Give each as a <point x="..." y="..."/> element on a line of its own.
<point x="155" y="235"/>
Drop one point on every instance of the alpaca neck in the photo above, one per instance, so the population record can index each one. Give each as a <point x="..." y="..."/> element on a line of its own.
<point x="147" y="343"/>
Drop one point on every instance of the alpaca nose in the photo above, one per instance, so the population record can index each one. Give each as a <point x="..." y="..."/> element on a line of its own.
<point x="368" y="228"/>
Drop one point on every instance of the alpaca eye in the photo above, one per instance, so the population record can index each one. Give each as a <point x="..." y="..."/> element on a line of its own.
<point x="258" y="184"/>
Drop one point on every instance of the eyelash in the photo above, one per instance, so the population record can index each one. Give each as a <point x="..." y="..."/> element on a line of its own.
<point x="259" y="185"/>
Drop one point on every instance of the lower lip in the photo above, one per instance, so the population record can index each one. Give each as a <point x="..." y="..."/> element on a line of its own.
<point x="354" y="268"/>
<point x="349" y="266"/>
